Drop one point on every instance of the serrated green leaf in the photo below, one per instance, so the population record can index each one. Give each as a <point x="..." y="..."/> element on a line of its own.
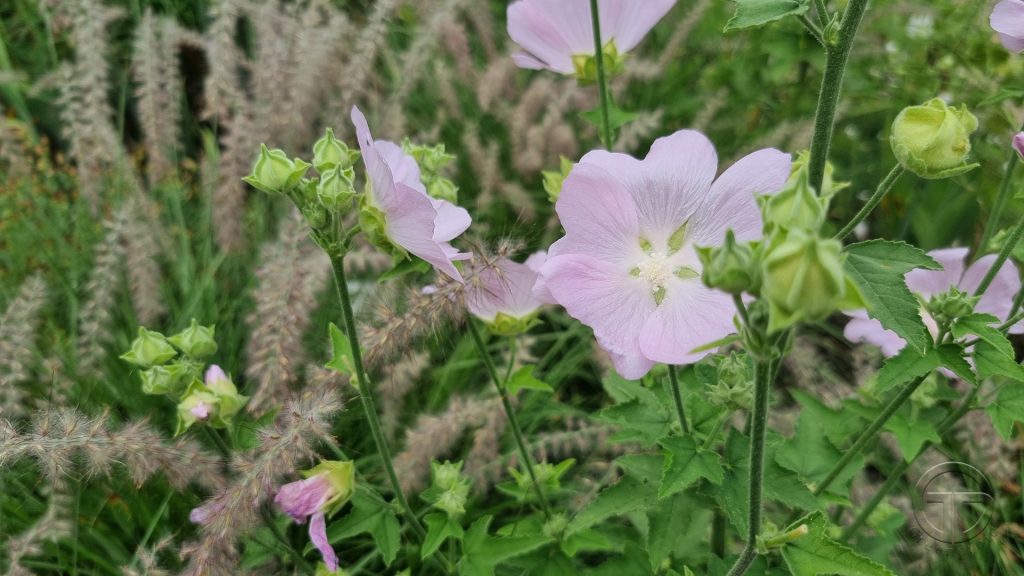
<point x="440" y="527"/>
<point x="751" y="13"/>
<point x="685" y="463"/>
<point x="617" y="117"/>
<point x="812" y="456"/>
<point x="375" y="518"/>
<point x="906" y="366"/>
<point x="839" y="425"/>
<point x="1007" y="408"/>
<point x="815" y="554"/>
<point x="952" y="357"/>
<point x="983" y="326"/>
<point x="482" y="552"/>
<point x="877" y="267"/>
<point x="990" y="361"/>
<point x="341" y="358"/>
<point x="664" y="533"/>
<point x="912" y="428"/>
<point x="524" y="379"/>
<point x="623" y="497"/>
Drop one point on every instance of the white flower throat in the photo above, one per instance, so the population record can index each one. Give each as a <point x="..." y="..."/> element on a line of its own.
<point x="656" y="270"/>
<point x="659" y="267"/>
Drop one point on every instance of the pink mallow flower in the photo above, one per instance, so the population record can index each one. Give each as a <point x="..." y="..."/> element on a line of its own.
<point x="1008" y="20"/>
<point x="552" y="32"/>
<point x="502" y="294"/>
<point x="997" y="300"/>
<point x="627" y="267"/>
<point x="412" y="220"/>
<point x="1018" y="144"/>
<point x="324" y="491"/>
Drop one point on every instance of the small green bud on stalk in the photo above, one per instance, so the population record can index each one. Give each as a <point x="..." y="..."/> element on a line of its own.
<point x="948" y="307"/>
<point x="933" y="140"/>
<point x="276" y="173"/>
<point x="796" y="206"/>
<point x="729" y="267"/>
<point x="195" y="341"/>
<point x="149" y="349"/>
<point x="803" y="278"/>
<point x="336" y="188"/>
<point x="168" y="379"/>
<point x="735" y="387"/>
<point x="329" y="153"/>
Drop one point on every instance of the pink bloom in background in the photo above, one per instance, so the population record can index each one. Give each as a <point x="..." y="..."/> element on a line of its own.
<point x="627" y="267"/>
<point x="1008" y="20"/>
<point x="997" y="300"/>
<point x="421" y="225"/>
<point x="307" y="498"/>
<point x="551" y="32"/>
<point x="506" y="288"/>
<point x="1018" y="144"/>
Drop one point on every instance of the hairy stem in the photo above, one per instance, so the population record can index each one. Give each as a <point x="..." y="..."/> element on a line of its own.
<point x="759" y="428"/>
<point x="883" y="188"/>
<point x="602" y="78"/>
<point x="1004" y="253"/>
<point x="831" y="85"/>
<point x="677" y="396"/>
<point x="513" y="422"/>
<point x="366" y="392"/>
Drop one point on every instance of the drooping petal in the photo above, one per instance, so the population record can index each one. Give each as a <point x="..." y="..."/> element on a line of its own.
<point x="603" y="296"/>
<point x="598" y="215"/>
<point x="504" y="287"/>
<point x="928" y="283"/>
<point x="318" y="536"/>
<point x="732" y="202"/>
<point x="862" y="329"/>
<point x="451" y="220"/>
<point x="1008" y="20"/>
<point x="303" y="498"/>
<point x="668" y="186"/>
<point x="382" y="181"/>
<point x="690" y="316"/>
<point x="543" y="34"/>
<point x="403" y="167"/>
<point x="998" y="298"/>
<point x="632" y="366"/>
<point x="631" y="20"/>
<point x="410" y="224"/>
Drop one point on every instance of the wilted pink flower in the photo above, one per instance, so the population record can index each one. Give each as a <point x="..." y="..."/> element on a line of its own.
<point x="413" y="220"/>
<point x="627" y="267"/>
<point x="202" y="514"/>
<point x="1008" y="20"/>
<point x="1018" y="144"/>
<point x="201" y="410"/>
<point x="997" y="300"/>
<point x="506" y="287"/>
<point x="551" y="32"/>
<point x="307" y="498"/>
<point x="215" y="374"/>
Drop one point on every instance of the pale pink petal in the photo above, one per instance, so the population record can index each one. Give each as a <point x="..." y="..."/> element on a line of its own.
<point x="403" y="167"/>
<point x="669" y="185"/>
<point x="631" y="367"/>
<point x="928" y="283"/>
<point x="1018" y="140"/>
<point x="303" y="498"/>
<point x="382" y="182"/>
<point x="318" y="536"/>
<point x="603" y="296"/>
<point x="410" y="223"/>
<point x="451" y="220"/>
<point x="214" y="374"/>
<point x="631" y="20"/>
<point x="998" y="298"/>
<point x="868" y="330"/>
<point x="690" y="316"/>
<point x="598" y="215"/>
<point x="524" y="60"/>
<point x="505" y="287"/>
<point x="1008" y="20"/>
<point x="532" y="27"/>
<point x="732" y="202"/>
<point x="210" y="508"/>
<point x="201" y="411"/>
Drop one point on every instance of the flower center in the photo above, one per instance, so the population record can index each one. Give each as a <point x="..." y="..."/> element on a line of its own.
<point x="656" y="270"/>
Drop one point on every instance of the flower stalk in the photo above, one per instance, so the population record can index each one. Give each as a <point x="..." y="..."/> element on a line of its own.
<point x="677" y="396"/>
<point x="602" y="78"/>
<point x="883" y="188"/>
<point x="366" y="395"/>
<point x="1004" y="254"/>
<point x="997" y="209"/>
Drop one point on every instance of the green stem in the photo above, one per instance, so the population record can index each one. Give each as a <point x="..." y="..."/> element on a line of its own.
<point x="883" y="188"/>
<point x="366" y="392"/>
<point x="896" y="475"/>
<point x="1004" y="253"/>
<point x="602" y="78"/>
<point x="759" y="427"/>
<point x="271" y="522"/>
<point x="997" y="209"/>
<point x="869" y="434"/>
<point x="831" y="85"/>
<point x="822" y="10"/>
<point x="813" y="29"/>
<point x="214" y="437"/>
<point x="1018" y="300"/>
<point x="677" y="396"/>
<point x="492" y="371"/>
<point x="713" y="435"/>
<point x="718" y="528"/>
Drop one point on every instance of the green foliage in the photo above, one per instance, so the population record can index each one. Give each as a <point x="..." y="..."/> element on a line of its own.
<point x="481" y="553"/>
<point x="758" y="12"/>
<point x="815" y="553"/>
<point x="685" y="463"/>
<point x="369" y="515"/>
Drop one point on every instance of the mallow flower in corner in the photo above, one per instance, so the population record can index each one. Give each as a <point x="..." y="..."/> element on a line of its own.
<point x="627" y="265"/>
<point x="929" y="284"/>
<point x="558" y="34"/>
<point x="398" y="214"/>
<point x="1007" y="19"/>
<point x="501" y="294"/>
<point x="325" y="490"/>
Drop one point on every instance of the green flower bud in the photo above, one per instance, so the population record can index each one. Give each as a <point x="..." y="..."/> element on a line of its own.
<point x="149" y="349"/>
<point x="342" y="477"/>
<point x="553" y="179"/>
<point x="199" y="405"/>
<point x="316" y="216"/>
<point x="933" y="140"/>
<point x="505" y="325"/>
<point x="446" y="475"/>
<point x="443" y="189"/>
<point x="829" y="186"/>
<point x="219" y="384"/>
<point x="950" y="306"/>
<point x="431" y="159"/>
<point x="734" y="388"/>
<point x="555" y="526"/>
<point x="796" y="206"/>
<point x="453" y="501"/>
<point x="329" y="153"/>
<point x="586" y="64"/>
<point x="729" y="267"/>
<point x="336" y="189"/>
<point x="374" y="225"/>
<point x="169" y="379"/>
<point x="195" y="341"/>
<point x="275" y="173"/>
<point x="803" y="278"/>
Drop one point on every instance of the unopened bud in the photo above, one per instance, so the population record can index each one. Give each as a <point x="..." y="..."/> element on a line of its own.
<point x="335" y="189"/>
<point x="195" y="341"/>
<point x="149" y="349"/>
<point x="933" y="140"/>
<point x="276" y="173"/>
<point x="803" y="278"/>
<point x="729" y="267"/>
<point x="329" y="153"/>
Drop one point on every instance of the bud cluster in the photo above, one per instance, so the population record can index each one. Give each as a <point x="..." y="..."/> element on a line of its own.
<point x="950" y="306"/>
<point x="434" y="164"/>
<point x="734" y="387"/>
<point x="450" y="489"/>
